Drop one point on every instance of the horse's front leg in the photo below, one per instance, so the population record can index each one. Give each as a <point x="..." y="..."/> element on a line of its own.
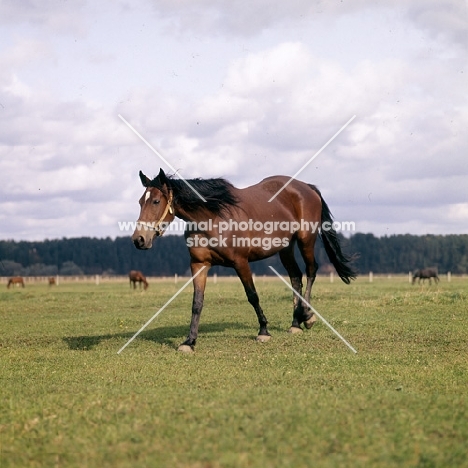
<point x="245" y="275"/>
<point x="199" y="284"/>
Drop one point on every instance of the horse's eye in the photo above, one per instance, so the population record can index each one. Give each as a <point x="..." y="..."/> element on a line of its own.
<point x="155" y="202"/>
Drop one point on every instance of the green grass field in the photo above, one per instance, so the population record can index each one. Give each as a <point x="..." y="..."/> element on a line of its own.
<point x="69" y="400"/>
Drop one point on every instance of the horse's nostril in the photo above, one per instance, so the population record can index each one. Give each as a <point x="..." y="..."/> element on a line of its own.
<point x="139" y="242"/>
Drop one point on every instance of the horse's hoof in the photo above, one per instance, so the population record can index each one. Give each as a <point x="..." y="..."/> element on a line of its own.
<point x="310" y="322"/>
<point x="183" y="348"/>
<point x="263" y="338"/>
<point x="295" y="330"/>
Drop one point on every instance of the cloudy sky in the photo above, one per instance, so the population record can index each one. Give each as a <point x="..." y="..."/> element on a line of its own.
<point x="242" y="90"/>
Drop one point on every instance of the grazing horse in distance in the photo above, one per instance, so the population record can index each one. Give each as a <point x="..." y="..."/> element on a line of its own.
<point x="15" y="280"/>
<point x="52" y="280"/>
<point x="426" y="273"/>
<point x="137" y="277"/>
<point x="231" y="227"/>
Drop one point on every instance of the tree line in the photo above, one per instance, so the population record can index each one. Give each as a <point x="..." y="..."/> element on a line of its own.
<point x="169" y="256"/>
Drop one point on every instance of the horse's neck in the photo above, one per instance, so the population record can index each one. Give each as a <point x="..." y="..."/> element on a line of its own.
<point x="192" y="216"/>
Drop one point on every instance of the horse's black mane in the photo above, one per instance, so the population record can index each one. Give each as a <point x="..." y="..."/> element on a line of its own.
<point x="218" y="194"/>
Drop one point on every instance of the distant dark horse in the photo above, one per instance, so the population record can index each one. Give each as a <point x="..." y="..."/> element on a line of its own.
<point x="137" y="277"/>
<point x="426" y="273"/>
<point x="15" y="280"/>
<point x="232" y="227"/>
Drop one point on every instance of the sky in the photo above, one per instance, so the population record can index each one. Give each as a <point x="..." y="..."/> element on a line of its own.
<point x="241" y="90"/>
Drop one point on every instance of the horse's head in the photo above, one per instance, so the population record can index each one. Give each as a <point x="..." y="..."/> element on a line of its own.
<point x="156" y="212"/>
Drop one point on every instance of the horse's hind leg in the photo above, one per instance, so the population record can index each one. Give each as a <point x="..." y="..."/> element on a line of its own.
<point x="295" y="276"/>
<point x="306" y="246"/>
<point x="245" y="275"/>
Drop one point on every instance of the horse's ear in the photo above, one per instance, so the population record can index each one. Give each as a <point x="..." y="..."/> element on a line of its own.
<point x="162" y="177"/>
<point x="144" y="180"/>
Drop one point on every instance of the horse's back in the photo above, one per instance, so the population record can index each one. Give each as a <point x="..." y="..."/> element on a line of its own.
<point x="287" y="185"/>
<point x="282" y="198"/>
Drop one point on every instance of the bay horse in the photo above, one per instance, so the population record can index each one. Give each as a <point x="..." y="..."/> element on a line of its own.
<point x="15" y="280"/>
<point x="426" y="273"/>
<point x="137" y="277"/>
<point x="231" y="227"/>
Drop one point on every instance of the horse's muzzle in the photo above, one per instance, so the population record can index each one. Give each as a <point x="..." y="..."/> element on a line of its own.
<point x="142" y="243"/>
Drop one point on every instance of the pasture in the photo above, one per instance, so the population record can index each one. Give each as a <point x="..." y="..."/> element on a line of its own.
<point x="69" y="400"/>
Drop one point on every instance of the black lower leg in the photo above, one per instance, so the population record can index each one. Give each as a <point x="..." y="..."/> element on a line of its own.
<point x="307" y="313"/>
<point x="252" y="297"/>
<point x="298" y="310"/>
<point x="311" y="272"/>
<point x="245" y="275"/>
<point x="199" y="284"/>
<point x="192" y="336"/>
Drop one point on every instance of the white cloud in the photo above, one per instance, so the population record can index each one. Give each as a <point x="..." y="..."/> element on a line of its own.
<point x="69" y="165"/>
<point x="446" y="19"/>
<point x="17" y="88"/>
<point x="443" y="19"/>
<point x="62" y="17"/>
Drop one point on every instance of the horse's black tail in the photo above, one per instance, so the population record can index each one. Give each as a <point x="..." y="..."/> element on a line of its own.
<point x="332" y="244"/>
